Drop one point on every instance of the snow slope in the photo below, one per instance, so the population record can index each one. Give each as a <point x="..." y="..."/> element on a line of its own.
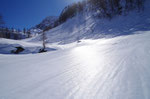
<point x="86" y="25"/>
<point x="116" y="68"/>
<point x="47" y="22"/>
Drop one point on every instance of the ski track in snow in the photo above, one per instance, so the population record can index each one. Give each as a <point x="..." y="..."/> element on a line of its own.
<point x="117" y="68"/>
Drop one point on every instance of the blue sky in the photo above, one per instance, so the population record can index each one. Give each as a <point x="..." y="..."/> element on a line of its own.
<point x="27" y="13"/>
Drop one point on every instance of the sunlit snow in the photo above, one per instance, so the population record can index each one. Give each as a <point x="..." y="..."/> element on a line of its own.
<point x="116" y="68"/>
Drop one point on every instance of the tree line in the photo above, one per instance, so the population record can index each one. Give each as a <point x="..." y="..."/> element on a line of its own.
<point x="70" y="11"/>
<point x="11" y="33"/>
<point x="110" y="8"/>
<point x="104" y="8"/>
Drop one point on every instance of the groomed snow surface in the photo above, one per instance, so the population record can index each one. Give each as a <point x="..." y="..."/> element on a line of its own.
<point x="116" y="68"/>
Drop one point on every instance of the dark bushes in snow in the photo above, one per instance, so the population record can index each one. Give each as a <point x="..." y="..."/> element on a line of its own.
<point x="101" y="8"/>
<point x="110" y="8"/>
<point x="104" y="8"/>
<point x="70" y="11"/>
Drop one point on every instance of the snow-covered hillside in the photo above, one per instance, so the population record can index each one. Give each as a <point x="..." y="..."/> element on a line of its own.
<point x="87" y="25"/>
<point x="116" y="68"/>
<point x="47" y="22"/>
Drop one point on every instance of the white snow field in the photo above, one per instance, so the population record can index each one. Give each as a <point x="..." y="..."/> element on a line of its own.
<point x="116" y="68"/>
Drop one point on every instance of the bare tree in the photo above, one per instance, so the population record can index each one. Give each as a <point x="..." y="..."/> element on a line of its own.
<point x="1" y="20"/>
<point x="43" y="38"/>
<point x="1" y="28"/>
<point x="28" y="33"/>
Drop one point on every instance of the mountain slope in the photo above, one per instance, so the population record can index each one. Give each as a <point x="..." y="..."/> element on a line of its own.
<point x="117" y="68"/>
<point x="87" y="25"/>
<point x="47" y="22"/>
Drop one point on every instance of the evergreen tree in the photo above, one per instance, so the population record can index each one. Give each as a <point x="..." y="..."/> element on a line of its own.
<point x="7" y="33"/>
<point x="24" y="30"/>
